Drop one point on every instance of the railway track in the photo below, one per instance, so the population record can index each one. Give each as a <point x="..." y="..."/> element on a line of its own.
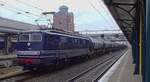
<point x="105" y="64"/>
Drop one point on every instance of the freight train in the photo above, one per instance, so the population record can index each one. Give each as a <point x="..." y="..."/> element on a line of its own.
<point x="43" y="48"/>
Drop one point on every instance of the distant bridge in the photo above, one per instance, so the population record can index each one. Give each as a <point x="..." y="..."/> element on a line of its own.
<point x="119" y="40"/>
<point x="100" y="31"/>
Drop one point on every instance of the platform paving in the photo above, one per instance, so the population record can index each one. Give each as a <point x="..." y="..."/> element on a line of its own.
<point x="7" y="60"/>
<point x="125" y="70"/>
<point x="11" y="56"/>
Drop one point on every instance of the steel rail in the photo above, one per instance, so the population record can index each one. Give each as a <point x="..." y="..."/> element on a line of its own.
<point x="107" y="68"/>
<point x="93" y="67"/>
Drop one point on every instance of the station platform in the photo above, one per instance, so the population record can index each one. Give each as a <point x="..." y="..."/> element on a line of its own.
<point x="122" y="70"/>
<point x="7" y="60"/>
<point x="11" y="56"/>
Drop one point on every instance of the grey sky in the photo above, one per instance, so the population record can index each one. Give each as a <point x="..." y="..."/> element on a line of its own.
<point x="89" y="14"/>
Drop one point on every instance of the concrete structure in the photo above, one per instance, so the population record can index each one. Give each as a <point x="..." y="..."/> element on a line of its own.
<point x="133" y="18"/>
<point x="122" y="70"/>
<point x="12" y="26"/>
<point x="63" y="20"/>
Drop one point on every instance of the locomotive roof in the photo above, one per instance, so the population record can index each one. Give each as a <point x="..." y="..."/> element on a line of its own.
<point x="59" y="33"/>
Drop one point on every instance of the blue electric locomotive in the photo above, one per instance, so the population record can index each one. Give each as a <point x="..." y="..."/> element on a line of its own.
<point x="40" y="48"/>
<point x="48" y="47"/>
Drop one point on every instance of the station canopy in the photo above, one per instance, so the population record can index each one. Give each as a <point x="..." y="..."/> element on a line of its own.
<point x="123" y="12"/>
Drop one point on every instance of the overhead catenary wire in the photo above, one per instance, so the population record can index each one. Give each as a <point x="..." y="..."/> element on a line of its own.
<point x="37" y="19"/>
<point x="90" y="26"/>
<point x="18" y="9"/>
<point x="17" y="12"/>
<point x="43" y="18"/>
<point x="28" y="14"/>
<point x="107" y="11"/>
<point x="20" y="13"/>
<point x="98" y="12"/>
<point x="27" y="4"/>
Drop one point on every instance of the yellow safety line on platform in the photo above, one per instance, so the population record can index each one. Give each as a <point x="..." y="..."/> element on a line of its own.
<point x="140" y="45"/>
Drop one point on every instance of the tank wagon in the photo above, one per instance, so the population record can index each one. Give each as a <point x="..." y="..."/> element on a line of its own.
<point x="43" y="48"/>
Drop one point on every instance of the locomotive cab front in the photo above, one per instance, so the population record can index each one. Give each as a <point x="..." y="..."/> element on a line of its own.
<point x="29" y="47"/>
<point x="30" y="41"/>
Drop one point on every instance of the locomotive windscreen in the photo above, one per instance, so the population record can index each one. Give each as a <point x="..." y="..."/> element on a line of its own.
<point x="35" y="37"/>
<point x="32" y="37"/>
<point x="24" y="37"/>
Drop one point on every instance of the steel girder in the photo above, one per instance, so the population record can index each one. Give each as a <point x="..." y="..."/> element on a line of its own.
<point x="124" y="12"/>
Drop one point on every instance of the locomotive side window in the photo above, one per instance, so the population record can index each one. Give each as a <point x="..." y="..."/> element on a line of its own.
<point x="76" y="41"/>
<point x="63" y="39"/>
<point x="35" y="37"/>
<point x="51" y="39"/>
<point x="24" y="37"/>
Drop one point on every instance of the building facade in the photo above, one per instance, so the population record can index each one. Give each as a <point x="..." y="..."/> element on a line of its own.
<point x="63" y="20"/>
